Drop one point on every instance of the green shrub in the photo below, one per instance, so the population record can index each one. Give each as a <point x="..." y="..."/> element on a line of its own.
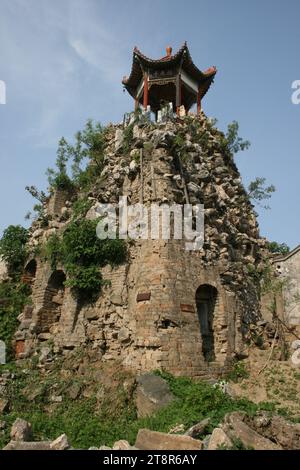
<point x="238" y="372"/>
<point x="13" y="248"/>
<point x="81" y="207"/>
<point x="127" y="138"/>
<point x="13" y="297"/>
<point x="82" y="254"/>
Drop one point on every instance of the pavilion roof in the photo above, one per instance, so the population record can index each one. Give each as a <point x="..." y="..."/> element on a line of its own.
<point x="140" y="62"/>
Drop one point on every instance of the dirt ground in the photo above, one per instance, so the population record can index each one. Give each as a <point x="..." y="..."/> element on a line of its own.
<point x="270" y="380"/>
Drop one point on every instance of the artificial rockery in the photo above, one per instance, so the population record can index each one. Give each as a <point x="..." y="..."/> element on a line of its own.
<point x="149" y="304"/>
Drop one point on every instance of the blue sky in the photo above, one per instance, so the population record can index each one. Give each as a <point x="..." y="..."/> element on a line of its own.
<point x="63" y="62"/>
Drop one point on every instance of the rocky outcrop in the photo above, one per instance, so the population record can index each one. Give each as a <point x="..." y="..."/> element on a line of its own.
<point x="152" y="394"/>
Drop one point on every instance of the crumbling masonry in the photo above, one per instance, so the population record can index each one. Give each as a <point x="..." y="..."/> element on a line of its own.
<point x="166" y="307"/>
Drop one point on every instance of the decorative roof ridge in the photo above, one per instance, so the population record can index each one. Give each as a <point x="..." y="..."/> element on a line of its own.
<point x="183" y="48"/>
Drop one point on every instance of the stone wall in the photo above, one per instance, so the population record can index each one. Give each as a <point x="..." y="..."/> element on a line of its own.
<point x="288" y="268"/>
<point x="148" y="316"/>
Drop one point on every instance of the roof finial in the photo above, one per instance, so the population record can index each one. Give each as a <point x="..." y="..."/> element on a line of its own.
<point x="169" y="51"/>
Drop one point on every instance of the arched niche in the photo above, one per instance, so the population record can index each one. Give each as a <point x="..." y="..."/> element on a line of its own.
<point x="206" y="297"/>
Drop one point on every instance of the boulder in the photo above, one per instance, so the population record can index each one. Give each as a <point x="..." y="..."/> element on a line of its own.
<point x="153" y="440"/>
<point x="21" y="430"/>
<point x="277" y="428"/>
<point x="153" y="393"/>
<point x="287" y="434"/>
<point x="219" y="440"/>
<point x="19" y="445"/>
<point x="236" y="428"/>
<point x="198" y="428"/>
<point x="61" y="443"/>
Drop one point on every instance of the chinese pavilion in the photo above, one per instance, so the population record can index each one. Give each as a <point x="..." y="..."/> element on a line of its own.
<point x="173" y="78"/>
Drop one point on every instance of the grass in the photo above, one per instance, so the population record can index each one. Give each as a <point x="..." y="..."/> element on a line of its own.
<point x="88" y="422"/>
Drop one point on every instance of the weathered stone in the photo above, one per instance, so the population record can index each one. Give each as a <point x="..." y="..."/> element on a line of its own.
<point x="91" y="314"/>
<point x="45" y="355"/>
<point x="56" y="398"/>
<point x="74" y="391"/>
<point x="150" y="440"/>
<point x="44" y="336"/>
<point x="116" y="299"/>
<point x="177" y="429"/>
<point x="219" y="440"/>
<point x="278" y="429"/>
<point x="19" y="445"/>
<point x="60" y="443"/>
<point x="153" y="393"/>
<point x="124" y="335"/>
<point x="4" y="405"/>
<point x="295" y="344"/>
<point x="21" y="430"/>
<point x="198" y="428"/>
<point x="235" y="428"/>
<point x="122" y="445"/>
<point x="133" y="166"/>
<point x="119" y="138"/>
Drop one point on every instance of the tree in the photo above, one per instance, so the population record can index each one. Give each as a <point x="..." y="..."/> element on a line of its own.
<point x="89" y="144"/>
<point x="232" y="141"/>
<point x="59" y="178"/>
<point x="13" y="248"/>
<point x="281" y="248"/>
<point x="258" y="191"/>
<point x="39" y="195"/>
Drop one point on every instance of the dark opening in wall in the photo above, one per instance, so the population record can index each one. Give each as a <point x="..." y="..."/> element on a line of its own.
<point x="206" y="296"/>
<point x="29" y="272"/>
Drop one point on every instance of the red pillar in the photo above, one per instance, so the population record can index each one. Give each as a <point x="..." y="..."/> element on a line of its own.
<point x="146" y="91"/>
<point x="198" y="102"/>
<point x="178" y="93"/>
